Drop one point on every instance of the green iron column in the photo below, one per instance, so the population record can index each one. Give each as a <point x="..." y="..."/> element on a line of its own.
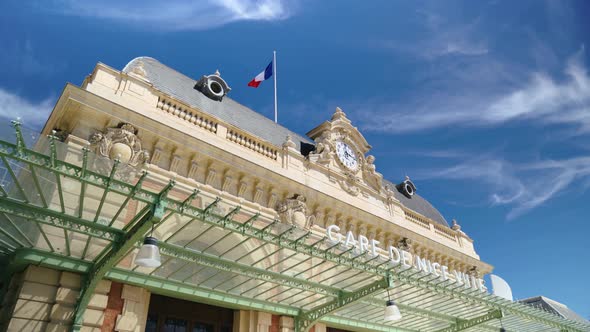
<point x="305" y="320"/>
<point x="117" y="251"/>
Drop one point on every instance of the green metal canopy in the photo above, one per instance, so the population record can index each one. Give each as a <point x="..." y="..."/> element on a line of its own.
<point x="69" y="209"/>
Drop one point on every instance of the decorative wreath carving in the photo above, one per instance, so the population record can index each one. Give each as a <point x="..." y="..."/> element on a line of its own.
<point x="120" y="142"/>
<point x="293" y="211"/>
<point x="350" y="184"/>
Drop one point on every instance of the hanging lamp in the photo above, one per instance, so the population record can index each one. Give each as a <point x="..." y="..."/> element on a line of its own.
<point x="149" y="252"/>
<point x="392" y="312"/>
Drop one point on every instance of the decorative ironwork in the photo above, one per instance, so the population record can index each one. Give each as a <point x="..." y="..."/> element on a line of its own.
<point x="58" y="219"/>
<point x="462" y="325"/>
<point x="118" y="250"/>
<point x="305" y="320"/>
<point x="123" y="240"/>
<point x="245" y="270"/>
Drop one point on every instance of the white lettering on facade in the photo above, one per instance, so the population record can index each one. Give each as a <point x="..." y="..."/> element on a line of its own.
<point x="394" y="255"/>
<point x="374" y="247"/>
<point x="331" y="230"/>
<point x="399" y="256"/>
<point x="350" y="241"/>
<point x="363" y="243"/>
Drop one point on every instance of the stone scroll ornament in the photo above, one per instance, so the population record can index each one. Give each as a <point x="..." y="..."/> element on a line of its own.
<point x="120" y="142"/>
<point x="293" y="211"/>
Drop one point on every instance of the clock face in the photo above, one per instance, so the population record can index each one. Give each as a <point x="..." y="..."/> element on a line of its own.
<point x="346" y="155"/>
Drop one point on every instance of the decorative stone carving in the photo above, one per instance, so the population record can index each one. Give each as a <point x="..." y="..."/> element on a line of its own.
<point x="389" y="198"/>
<point x="473" y="271"/>
<point x="156" y="156"/>
<point x="228" y="180"/>
<point x="371" y="176"/>
<point x="406" y="244"/>
<point x="350" y="184"/>
<point x="120" y="142"/>
<point x="211" y="176"/>
<point x="174" y="162"/>
<point x="138" y="70"/>
<point x="457" y="227"/>
<point x="359" y="172"/>
<point x="293" y="211"/>
<point x="258" y="192"/>
<point x="289" y="142"/>
<point x="272" y="198"/>
<point x="192" y="172"/>
<point x="242" y="187"/>
<point x="60" y="134"/>
<point x="318" y="218"/>
<point x="324" y="149"/>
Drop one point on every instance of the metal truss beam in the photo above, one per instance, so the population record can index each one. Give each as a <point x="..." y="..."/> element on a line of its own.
<point x="425" y="313"/>
<point x="462" y="325"/>
<point x="117" y="251"/>
<point x="493" y="302"/>
<point x="304" y="320"/>
<point x="245" y="270"/>
<point x="414" y="310"/>
<point x="356" y="325"/>
<point x="157" y="285"/>
<point x="181" y="290"/>
<point x="58" y="219"/>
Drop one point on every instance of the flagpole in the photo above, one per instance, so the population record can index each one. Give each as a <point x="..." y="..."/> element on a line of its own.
<point x="274" y="72"/>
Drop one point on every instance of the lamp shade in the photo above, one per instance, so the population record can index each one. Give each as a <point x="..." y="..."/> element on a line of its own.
<point x="392" y="312"/>
<point x="149" y="253"/>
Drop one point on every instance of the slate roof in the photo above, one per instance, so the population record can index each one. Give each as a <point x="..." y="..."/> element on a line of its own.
<point x="181" y="87"/>
<point x="555" y="307"/>
<point x="419" y="204"/>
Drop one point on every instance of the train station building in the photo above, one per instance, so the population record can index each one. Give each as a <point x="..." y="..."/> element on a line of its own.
<point x="152" y="201"/>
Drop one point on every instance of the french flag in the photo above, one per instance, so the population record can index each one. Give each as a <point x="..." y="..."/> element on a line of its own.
<point x="266" y="74"/>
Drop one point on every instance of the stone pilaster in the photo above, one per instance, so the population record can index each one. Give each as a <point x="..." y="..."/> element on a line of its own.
<point x="286" y="324"/>
<point x="135" y="309"/>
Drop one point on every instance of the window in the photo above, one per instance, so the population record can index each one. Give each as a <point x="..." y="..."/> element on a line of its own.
<point x="174" y="325"/>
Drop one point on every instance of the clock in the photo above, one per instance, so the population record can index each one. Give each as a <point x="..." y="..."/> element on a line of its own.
<point x="346" y="155"/>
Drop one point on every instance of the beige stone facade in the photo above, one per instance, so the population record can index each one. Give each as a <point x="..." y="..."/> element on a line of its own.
<point x="173" y="140"/>
<point x="193" y="147"/>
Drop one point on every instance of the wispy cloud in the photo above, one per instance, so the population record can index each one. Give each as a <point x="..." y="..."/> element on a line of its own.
<point x="20" y="56"/>
<point x="13" y="106"/>
<point x="174" y="14"/>
<point x="442" y="37"/>
<point x="540" y="98"/>
<point x="522" y="187"/>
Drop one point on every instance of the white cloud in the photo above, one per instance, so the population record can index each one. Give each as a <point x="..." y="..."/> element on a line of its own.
<point x="437" y="36"/>
<point x="522" y="187"/>
<point x="33" y="114"/>
<point x="541" y="99"/>
<point x="174" y="14"/>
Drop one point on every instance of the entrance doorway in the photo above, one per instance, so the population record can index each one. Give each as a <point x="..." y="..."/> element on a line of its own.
<point x="167" y="314"/>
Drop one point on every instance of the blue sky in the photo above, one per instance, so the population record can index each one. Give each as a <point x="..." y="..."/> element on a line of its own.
<point x="484" y="104"/>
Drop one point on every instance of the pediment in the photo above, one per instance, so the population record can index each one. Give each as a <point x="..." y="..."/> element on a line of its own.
<point x="341" y="127"/>
<point x="336" y="137"/>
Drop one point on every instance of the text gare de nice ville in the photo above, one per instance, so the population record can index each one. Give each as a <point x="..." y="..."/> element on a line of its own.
<point x="401" y="257"/>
